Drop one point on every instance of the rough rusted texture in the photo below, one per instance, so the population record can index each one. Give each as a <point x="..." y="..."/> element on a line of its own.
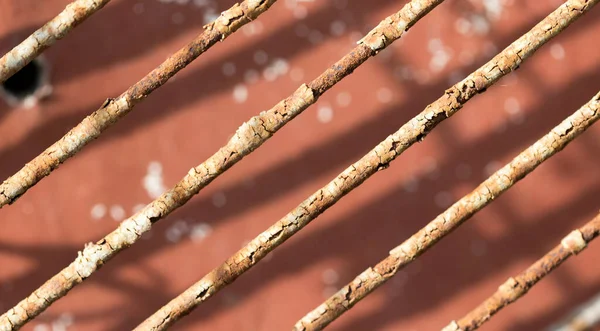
<point x="516" y="287"/>
<point x="389" y="30"/>
<point x="459" y="212"/>
<point x="247" y="138"/>
<point x="377" y="159"/>
<point x="586" y="317"/>
<point x="75" y="13"/>
<point x="114" y="109"/>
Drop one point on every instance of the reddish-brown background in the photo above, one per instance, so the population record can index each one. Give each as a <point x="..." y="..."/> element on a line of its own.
<point x="185" y="121"/>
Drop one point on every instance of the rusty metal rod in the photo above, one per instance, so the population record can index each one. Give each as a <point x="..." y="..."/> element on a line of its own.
<point x="247" y="138"/>
<point x="586" y="317"/>
<point x="455" y="215"/>
<point x="377" y="159"/>
<point x="516" y="287"/>
<point x="75" y="13"/>
<point x="114" y="109"/>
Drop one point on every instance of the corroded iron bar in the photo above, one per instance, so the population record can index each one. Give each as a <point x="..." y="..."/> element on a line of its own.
<point x="516" y="287"/>
<point x="75" y="13"/>
<point x="114" y="109"/>
<point x="377" y="159"/>
<point x="247" y="138"/>
<point x="462" y="210"/>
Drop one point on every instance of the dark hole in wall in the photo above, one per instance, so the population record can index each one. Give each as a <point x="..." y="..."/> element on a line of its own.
<point x="26" y="81"/>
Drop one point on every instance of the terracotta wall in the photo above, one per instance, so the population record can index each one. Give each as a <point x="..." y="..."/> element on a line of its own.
<point x="184" y="122"/>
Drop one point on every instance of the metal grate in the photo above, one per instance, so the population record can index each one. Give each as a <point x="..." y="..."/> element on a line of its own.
<point x="260" y="128"/>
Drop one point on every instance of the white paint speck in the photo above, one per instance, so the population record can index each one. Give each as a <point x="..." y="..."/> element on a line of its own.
<point x="324" y="114"/>
<point x="491" y="168"/>
<point x="252" y="28"/>
<point x="210" y="15"/>
<point x="300" y="12"/>
<point x="270" y="74"/>
<point x="315" y="37"/>
<point x="513" y="108"/>
<point x="240" y="93"/>
<point x="557" y="51"/>
<point x="117" y="213"/>
<point x="435" y="45"/>
<point x="251" y="76"/>
<point x="431" y="168"/>
<point x="281" y="66"/>
<point x="480" y="24"/>
<point x="290" y="4"/>
<point x="153" y="181"/>
<point x="228" y="69"/>
<point x="463" y="26"/>
<point x="493" y="8"/>
<point x="439" y="60"/>
<point x="330" y="277"/>
<point x="219" y="199"/>
<point x="41" y="327"/>
<point x="30" y="102"/>
<point x="384" y="95"/>
<point x="403" y="73"/>
<point x="337" y="28"/>
<point x="343" y="99"/>
<point x="182" y="226"/>
<point x="200" y="231"/>
<point x="62" y="322"/>
<point x="173" y="234"/>
<point x="98" y="211"/>
<point x="261" y="57"/>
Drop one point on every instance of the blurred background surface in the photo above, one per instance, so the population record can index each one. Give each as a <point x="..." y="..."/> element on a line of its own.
<point x="188" y="119"/>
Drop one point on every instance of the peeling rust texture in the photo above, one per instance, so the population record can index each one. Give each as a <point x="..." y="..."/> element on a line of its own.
<point x="455" y="215"/>
<point x="93" y="125"/>
<point x="75" y="13"/>
<point x="417" y="128"/>
<point x="129" y="231"/>
<point x="247" y="138"/>
<point x="377" y="159"/>
<point x="254" y="132"/>
<point x="585" y="317"/>
<point x="515" y="287"/>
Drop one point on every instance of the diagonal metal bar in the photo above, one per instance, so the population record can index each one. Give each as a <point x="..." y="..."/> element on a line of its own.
<point x="75" y="13"/>
<point x="248" y="137"/>
<point x="377" y="159"/>
<point x="516" y="287"/>
<point x="586" y="317"/>
<point x="459" y="212"/>
<point x="114" y="109"/>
